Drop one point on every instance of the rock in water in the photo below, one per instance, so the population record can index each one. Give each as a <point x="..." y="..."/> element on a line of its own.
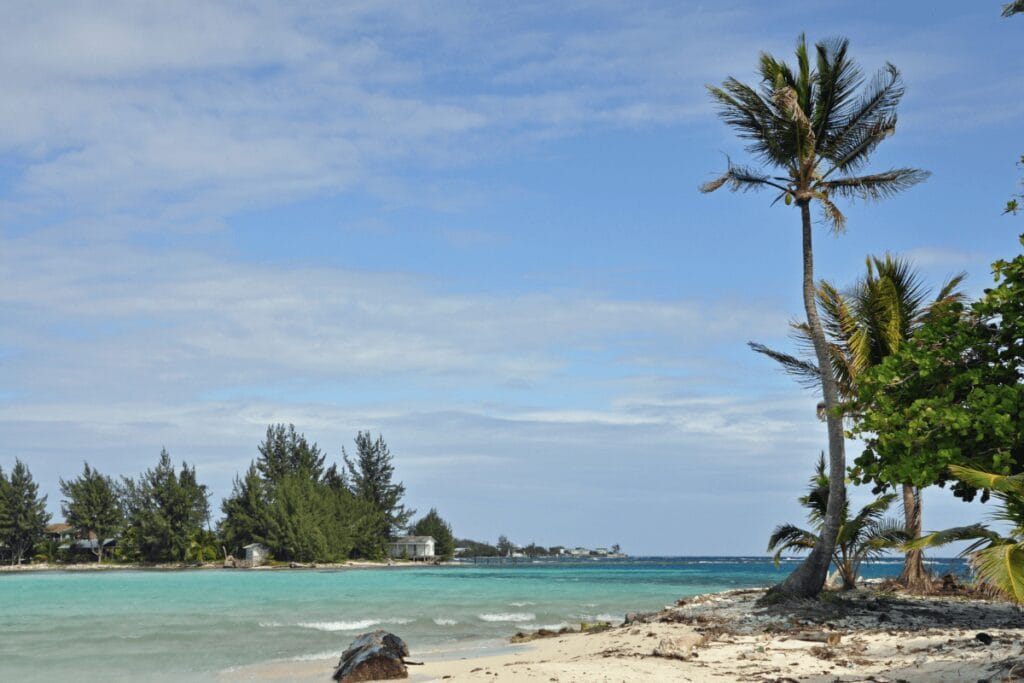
<point x="374" y="656"/>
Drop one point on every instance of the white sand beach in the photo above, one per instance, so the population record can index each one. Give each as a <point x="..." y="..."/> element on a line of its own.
<point x="863" y="635"/>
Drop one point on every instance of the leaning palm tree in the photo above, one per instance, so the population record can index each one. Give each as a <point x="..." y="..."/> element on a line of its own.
<point x="862" y="537"/>
<point x="818" y="132"/>
<point x="863" y="325"/>
<point x="997" y="559"/>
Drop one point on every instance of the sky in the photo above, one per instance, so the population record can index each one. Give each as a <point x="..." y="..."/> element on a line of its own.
<point x="473" y="228"/>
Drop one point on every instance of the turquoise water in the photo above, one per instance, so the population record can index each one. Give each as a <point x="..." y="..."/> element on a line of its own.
<point x="191" y="625"/>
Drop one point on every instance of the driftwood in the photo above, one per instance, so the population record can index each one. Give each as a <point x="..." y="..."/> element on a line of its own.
<point x="374" y="656"/>
<point x="832" y="638"/>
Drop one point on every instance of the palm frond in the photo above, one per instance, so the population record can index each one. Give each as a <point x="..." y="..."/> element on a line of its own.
<point x="886" y="534"/>
<point x="790" y="537"/>
<point x="874" y="510"/>
<point x="1002" y="566"/>
<point x="741" y="179"/>
<point x="876" y="186"/>
<point x="975" y="532"/>
<point x="838" y="79"/>
<point x="950" y="293"/>
<point x="755" y="117"/>
<point x="985" y="480"/>
<point x="834" y="218"/>
<point x="806" y="373"/>
<point x="860" y="124"/>
<point x="787" y="99"/>
<point x="1012" y="8"/>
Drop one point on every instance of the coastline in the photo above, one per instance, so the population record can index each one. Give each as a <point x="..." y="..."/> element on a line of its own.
<point x="207" y="566"/>
<point x="866" y="634"/>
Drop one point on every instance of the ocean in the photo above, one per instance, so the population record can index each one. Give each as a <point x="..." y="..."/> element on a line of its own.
<point x="203" y="625"/>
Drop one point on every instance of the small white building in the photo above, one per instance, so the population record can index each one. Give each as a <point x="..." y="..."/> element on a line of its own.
<point x="255" y="554"/>
<point x="412" y="548"/>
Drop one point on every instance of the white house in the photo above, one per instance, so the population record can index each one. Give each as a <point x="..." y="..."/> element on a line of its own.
<point x="412" y="547"/>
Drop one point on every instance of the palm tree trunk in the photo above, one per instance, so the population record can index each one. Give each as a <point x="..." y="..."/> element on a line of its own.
<point x="914" y="575"/>
<point x="808" y="579"/>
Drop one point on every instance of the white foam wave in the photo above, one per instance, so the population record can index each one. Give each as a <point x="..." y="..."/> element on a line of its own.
<point x="314" y="657"/>
<point x="509" y="616"/>
<point x="525" y="603"/>
<point x="549" y="627"/>
<point x="400" y="621"/>
<point x="339" y="625"/>
<point x="441" y="621"/>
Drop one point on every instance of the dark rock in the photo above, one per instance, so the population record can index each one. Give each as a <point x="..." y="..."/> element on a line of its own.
<point x="985" y="638"/>
<point x="374" y="656"/>
<point x="883" y="617"/>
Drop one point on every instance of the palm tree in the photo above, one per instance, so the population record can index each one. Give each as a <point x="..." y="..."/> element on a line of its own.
<point x="864" y="536"/>
<point x="997" y="560"/>
<point x="813" y="127"/>
<point x="863" y="326"/>
<point x="1012" y="8"/>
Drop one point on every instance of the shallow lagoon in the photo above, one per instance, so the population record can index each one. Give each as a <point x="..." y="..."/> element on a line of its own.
<point x="191" y="625"/>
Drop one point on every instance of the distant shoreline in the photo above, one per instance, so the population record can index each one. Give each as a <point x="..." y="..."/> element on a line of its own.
<point x="209" y="566"/>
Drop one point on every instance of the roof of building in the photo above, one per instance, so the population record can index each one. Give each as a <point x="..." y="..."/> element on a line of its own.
<point x="414" y="539"/>
<point x="58" y="528"/>
<point x="253" y="545"/>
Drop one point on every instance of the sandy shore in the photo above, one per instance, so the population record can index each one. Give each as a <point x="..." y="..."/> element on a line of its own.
<point x="860" y="636"/>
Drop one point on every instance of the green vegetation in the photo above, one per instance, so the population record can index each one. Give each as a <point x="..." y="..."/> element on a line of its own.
<point x="953" y="395"/>
<point x="864" y="325"/>
<point x="165" y="513"/>
<point x="92" y="506"/>
<point x="861" y="537"/>
<point x="289" y="499"/>
<point x="305" y="512"/>
<point x="810" y="125"/>
<point x="431" y="524"/>
<point x="23" y="515"/>
<point x="997" y="560"/>
<point x="370" y="477"/>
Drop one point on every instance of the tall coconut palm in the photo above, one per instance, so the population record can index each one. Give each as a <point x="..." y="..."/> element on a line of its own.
<point x="817" y="126"/>
<point x="861" y="537"/>
<point x="864" y="325"/>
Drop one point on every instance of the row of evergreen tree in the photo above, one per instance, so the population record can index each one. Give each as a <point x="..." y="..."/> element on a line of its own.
<point x="289" y="500"/>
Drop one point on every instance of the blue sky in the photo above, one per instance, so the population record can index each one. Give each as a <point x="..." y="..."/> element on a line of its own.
<point x="475" y="230"/>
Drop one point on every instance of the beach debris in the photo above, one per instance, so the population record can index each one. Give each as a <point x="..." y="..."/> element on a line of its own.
<point x="375" y="656"/>
<point x="832" y="638"/>
<point x="525" y="637"/>
<point x="681" y="647"/>
<point x="595" y="627"/>
<point x="983" y="638"/>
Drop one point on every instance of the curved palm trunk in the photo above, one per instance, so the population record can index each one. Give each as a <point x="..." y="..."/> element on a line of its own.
<point x="914" y="575"/>
<point x="808" y="579"/>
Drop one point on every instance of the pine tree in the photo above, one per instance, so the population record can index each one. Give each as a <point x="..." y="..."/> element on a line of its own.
<point x="245" y="512"/>
<point x="371" y="476"/>
<point x="166" y="511"/>
<point x="91" y="506"/>
<point x="433" y="525"/>
<point x="285" y="451"/>
<point x="24" y="513"/>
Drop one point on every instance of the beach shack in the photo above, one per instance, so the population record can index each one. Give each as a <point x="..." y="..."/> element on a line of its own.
<point x="255" y="554"/>
<point x="412" y="548"/>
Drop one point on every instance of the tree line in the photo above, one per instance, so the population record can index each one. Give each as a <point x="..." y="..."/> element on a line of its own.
<point x="289" y="499"/>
